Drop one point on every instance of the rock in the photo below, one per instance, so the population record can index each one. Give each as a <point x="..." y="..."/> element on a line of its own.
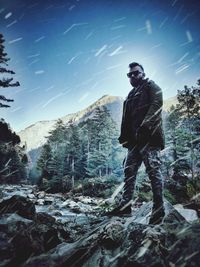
<point x="82" y="239"/>
<point x="58" y="196"/>
<point x="31" y="196"/>
<point x="20" y="205"/>
<point x="57" y="213"/>
<point x="77" y="206"/>
<point x="139" y="245"/>
<point x="10" y="219"/>
<point x="44" y="218"/>
<point x="40" y="201"/>
<point x="41" y="194"/>
<point x="185" y="251"/>
<point x="87" y="200"/>
<point x="1" y="193"/>
<point x="113" y="234"/>
<point x="48" y="200"/>
<point x="142" y="215"/>
<point x="69" y="254"/>
<point x="195" y="204"/>
<point x="12" y="226"/>
<point x="189" y="214"/>
<point x="22" y="238"/>
<point x="69" y="203"/>
<point x="51" y="208"/>
<point x="6" y="249"/>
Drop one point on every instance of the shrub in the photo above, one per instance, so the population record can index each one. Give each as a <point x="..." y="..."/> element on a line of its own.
<point x="144" y="196"/>
<point x="99" y="187"/>
<point x="170" y="197"/>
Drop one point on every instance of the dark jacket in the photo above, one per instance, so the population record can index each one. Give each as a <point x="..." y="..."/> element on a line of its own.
<point x="142" y="109"/>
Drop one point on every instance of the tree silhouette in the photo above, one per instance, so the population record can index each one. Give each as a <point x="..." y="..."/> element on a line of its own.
<point x="5" y="82"/>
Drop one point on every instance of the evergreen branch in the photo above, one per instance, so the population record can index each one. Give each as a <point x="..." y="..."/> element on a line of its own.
<point x="4" y="60"/>
<point x="5" y="99"/>
<point x="3" y="70"/>
<point x="7" y="83"/>
<point x="4" y="106"/>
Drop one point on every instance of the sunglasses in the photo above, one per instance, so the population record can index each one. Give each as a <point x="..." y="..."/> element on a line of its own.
<point x="133" y="73"/>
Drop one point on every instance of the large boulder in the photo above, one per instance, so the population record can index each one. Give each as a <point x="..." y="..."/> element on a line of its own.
<point x="18" y="204"/>
<point x="125" y="242"/>
<point x="185" y="251"/>
<point x="29" y="238"/>
<point x="189" y="214"/>
<point x="21" y="238"/>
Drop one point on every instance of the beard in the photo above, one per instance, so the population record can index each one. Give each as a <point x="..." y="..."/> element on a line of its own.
<point x="135" y="82"/>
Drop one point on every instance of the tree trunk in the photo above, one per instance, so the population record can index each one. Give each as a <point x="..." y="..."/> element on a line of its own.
<point x="72" y="172"/>
<point x="88" y="152"/>
<point x="175" y="157"/>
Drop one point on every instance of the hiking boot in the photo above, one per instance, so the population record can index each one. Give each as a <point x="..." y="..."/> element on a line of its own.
<point x="122" y="210"/>
<point x="157" y="215"/>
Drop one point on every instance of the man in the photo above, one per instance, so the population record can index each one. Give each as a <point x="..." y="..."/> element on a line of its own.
<point x="142" y="135"/>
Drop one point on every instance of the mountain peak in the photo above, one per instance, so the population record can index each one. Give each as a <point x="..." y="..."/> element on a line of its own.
<point x="106" y="99"/>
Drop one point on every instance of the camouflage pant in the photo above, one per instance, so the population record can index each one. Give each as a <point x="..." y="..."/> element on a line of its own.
<point x="151" y="158"/>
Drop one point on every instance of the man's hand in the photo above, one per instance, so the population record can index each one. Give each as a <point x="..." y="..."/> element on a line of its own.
<point x="123" y="143"/>
<point x="142" y="135"/>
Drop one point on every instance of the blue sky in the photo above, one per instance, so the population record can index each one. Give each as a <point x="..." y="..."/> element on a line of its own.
<point x="68" y="54"/>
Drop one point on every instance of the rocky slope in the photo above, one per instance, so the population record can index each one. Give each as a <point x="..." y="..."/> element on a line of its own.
<point x="38" y="229"/>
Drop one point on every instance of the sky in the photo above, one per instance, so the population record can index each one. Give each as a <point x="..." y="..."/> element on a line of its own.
<point x="68" y="54"/>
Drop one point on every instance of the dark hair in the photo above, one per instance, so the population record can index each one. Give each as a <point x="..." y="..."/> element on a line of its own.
<point x="134" y="64"/>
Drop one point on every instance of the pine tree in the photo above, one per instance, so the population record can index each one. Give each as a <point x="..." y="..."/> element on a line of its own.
<point x="57" y="134"/>
<point x="182" y="128"/>
<point x="189" y="108"/>
<point x="44" y="162"/>
<point x="172" y="129"/>
<point x="73" y="153"/>
<point x="13" y="159"/>
<point x="189" y="102"/>
<point x="61" y="155"/>
<point x="103" y="132"/>
<point x="5" y="82"/>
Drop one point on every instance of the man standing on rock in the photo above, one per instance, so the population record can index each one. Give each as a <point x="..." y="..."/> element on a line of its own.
<point x="142" y="135"/>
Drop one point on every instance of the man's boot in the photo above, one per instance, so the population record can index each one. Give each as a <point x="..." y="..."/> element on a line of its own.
<point x="124" y="207"/>
<point x="131" y="165"/>
<point x="158" y="211"/>
<point x="157" y="215"/>
<point x="122" y="210"/>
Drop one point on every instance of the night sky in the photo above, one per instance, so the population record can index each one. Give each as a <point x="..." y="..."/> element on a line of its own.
<point x="68" y="54"/>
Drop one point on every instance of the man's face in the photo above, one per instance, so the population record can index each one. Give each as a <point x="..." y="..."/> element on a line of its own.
<point x="135" y="75"/>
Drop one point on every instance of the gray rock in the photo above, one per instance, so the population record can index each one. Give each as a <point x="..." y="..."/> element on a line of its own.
<point x="189" y="214"/>
<point x="83" y="239"/>
<point x="18" y="204"/>
<point x="21" y="238"/>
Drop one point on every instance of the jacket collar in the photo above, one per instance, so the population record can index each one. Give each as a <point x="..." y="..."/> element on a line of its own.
<point x="142" y="83"/>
